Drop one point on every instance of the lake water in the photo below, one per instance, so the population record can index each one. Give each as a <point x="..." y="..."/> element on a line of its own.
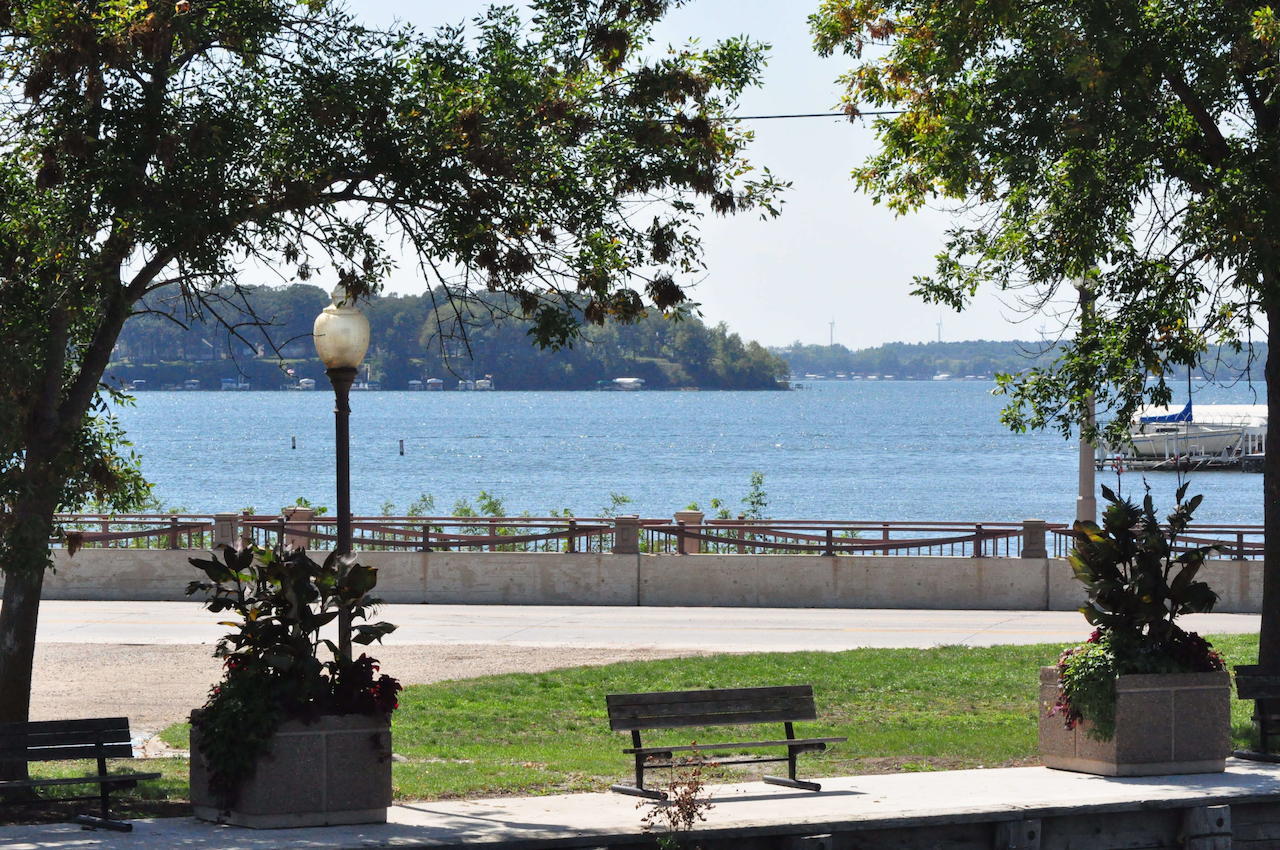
<point x="885" y="450"/>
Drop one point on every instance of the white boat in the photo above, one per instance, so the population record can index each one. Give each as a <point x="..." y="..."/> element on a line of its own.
<point x="1211" y="430"/>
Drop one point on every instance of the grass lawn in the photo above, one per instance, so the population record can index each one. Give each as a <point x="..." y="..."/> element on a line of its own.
<point x="540" y="733"/>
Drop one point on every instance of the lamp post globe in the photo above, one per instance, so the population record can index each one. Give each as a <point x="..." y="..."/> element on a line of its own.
<point x="341" y="334"/>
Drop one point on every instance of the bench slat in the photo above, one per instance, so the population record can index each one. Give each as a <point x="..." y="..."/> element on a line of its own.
<point x="623" y="724"/>
<point x="712" y="695"/>
<point x="724" y="706"/>
<point x="42" y="727"/>
<point x="47" y="739"/>
<point x="718" y="762"/>
<point x="69" y="752"/>
<point x="782" y="742"/>
<point x="113" y="779"/>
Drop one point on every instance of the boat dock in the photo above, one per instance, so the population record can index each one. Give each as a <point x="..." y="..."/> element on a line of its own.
<point x="1186" y="463"/>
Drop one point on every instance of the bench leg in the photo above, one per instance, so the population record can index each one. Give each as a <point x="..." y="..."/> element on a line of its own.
<point x="792" y="783"/>
<point x="92" y="822"/>
<point x="636" y="791"/>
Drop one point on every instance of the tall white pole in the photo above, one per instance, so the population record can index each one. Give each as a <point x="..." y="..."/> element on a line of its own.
<point x="1086" y="498"/>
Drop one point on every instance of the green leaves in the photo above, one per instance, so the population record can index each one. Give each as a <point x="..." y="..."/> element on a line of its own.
<point x="1138" y="575"/>
<point x="1119" y="143"/>
<point x="283" y="601"/>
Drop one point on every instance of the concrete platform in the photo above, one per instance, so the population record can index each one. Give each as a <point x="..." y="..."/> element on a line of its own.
<point x="1007" y="809"/>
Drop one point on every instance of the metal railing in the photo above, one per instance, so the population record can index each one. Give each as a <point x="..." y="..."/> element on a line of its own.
<point x="135" y="531"/>
<point x="1235" y="542"/>
<point x="601" y="534"/>
<point x="761" y="537"/>
<point x="428" y="534"/>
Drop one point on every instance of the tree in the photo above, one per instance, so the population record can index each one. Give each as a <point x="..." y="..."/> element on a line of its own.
<point x="154" y="143"/>
<point x="1131" y="145"/>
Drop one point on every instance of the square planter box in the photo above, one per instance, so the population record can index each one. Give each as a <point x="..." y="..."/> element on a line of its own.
<point x="1174" y="723"/>
<point x="336" y="770"/>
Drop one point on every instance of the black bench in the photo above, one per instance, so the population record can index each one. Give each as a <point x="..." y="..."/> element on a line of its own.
<point x="718" y="707"/>
<point x="68" y="740"/>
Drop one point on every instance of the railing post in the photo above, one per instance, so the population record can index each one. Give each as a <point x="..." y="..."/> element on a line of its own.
<point x="224" y="530"/>
<point x="173" y="532"/>
<point x="977" y="540"/>
<point x="295" y="520"/>
<point x="884" y="535"/>
<point x="742" y="534"/>
<point x="626" y="535"/>
<point x="1240" y="546"/>
<point x="830" y="550"/>
<point x="426" y="539"/>
<point x="1033" y="543"/>
<point x="493" y="532"/>
<point x="572" y="540"/>
<point x="688" y="545"/>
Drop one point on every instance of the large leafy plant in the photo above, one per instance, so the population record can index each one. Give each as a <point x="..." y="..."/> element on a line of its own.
<point x="287" y="611"/>
<point x="1139" y="580"/>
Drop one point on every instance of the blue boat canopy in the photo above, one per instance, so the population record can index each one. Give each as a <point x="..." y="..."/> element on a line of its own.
<point x="1184" y="416"/>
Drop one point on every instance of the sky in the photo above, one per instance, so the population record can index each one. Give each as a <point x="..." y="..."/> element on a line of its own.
<point x="833" y="256"/>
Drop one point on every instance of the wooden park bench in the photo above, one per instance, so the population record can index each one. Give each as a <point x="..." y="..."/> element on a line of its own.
<point x="718" y="707"/>
<point x="71" y="740"/>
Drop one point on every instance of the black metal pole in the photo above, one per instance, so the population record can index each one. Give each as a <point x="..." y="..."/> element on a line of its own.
<point x="342" y="379"/>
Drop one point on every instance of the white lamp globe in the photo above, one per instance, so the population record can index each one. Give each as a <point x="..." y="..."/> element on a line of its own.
<point x="341" y="332"/>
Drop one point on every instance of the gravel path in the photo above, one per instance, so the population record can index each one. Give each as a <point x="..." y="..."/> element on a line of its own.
<point x="157" y="685"/>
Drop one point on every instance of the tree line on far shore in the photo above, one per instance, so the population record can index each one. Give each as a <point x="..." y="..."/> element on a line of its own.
<point x="986" y="359"/>
<point x="262" y="336"/>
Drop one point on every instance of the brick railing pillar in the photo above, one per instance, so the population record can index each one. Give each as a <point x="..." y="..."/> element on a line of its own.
<point x="689" y="546"/>
<point x="626" y="535"/>
<point x="1033" y="539"/>
<point x="225" y="530"/>
<point x="298" y="519"/>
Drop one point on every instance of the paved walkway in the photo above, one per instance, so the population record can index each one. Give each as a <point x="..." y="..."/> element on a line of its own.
<point x="713" y="629"/>
<point x="594" y="820"/>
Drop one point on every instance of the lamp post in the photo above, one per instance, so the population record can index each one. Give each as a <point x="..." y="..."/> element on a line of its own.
<point x="342" y="338"/>
<point x="1086" y="498"/>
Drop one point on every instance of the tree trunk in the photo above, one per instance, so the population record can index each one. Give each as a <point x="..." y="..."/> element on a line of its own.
<point x="1269" y="639"/>
<point x="19" y="613"/>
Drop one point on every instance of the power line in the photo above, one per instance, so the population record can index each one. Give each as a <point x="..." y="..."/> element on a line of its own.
<point x="810" y="115"/>
<point x="795" y="115"/>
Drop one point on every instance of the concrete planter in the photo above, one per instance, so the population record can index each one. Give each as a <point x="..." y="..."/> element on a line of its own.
<point x="336" y="770"/>
<point x="1176" y="723"/>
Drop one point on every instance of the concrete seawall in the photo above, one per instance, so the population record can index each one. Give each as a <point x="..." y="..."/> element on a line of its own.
<point x="764" y="581"/>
